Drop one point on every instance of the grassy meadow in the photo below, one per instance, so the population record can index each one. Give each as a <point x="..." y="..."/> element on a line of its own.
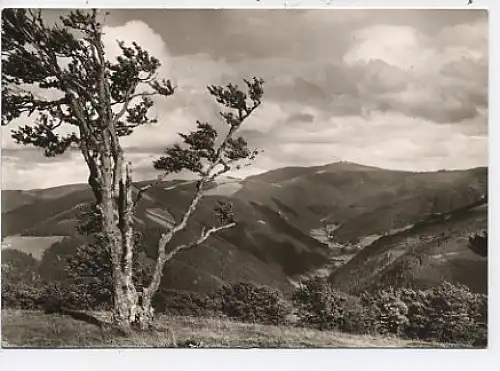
<point x="34" y="329"/>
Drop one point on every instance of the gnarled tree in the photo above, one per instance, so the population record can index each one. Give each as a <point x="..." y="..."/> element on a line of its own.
<point x="104" y="100"/>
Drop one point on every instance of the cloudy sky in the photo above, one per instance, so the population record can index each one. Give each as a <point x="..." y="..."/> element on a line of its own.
<point x="400" y="89"/>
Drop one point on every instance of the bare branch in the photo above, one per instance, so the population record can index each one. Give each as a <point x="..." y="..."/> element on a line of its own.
<point x="144" y="189"/>
<point x="203" y="237"/>
<point x="163" y="257"/>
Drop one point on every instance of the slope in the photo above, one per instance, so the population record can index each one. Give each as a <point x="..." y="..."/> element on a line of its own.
<point x="277" y="212"/>
<point x="362" y="200"/>
<point x="433" y="250"/>
<point x="263" y="248"/>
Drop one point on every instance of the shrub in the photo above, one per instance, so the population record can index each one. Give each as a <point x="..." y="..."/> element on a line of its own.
<point x="251" y="303"/>
<point x="184" y="303"/>
<point x="80" y="288"/>
<point x="356" y="318"/>
<point x="314" y="303"/>
<point x="387" y="311"/>
<point x="88" y="281"/>
<point x="54" y="260"/>
<point x="22" y="295"/>
<point x="445" y="313"/>
<point x="66" y="295"/>
<point x="242" y="301"/>
<point x="80" y="270"/>
<point x="418" y="313"/>
<point x="320" y="306"/>
<point x="454" y="314"/>
<point x="89" y="276"/>
<point x="83" y="281"/>
<point x="479" y="311"/>
<point x="21" y="285"/>
<point x="17" y="266"/>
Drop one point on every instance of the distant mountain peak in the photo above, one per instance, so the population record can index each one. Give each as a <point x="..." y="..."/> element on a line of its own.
<point x="348" y="165"/>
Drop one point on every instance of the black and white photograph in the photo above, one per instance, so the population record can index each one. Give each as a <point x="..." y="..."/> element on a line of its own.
<point x="244" y="178"/>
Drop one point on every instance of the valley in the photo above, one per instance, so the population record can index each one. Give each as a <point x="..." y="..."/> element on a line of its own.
<point x="339" y="220"/>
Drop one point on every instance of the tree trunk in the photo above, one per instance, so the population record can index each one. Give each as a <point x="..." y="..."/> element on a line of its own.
<point x="131" y="312"/>
<point x="122" y="311"/>
<point x="144" y="316"/>
<point x="116" y="208"/>
<point x="124" y="301"/>
<point x="130" y="309"/>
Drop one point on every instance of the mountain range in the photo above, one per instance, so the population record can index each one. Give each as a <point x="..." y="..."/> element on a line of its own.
<point x="363" y="226"/>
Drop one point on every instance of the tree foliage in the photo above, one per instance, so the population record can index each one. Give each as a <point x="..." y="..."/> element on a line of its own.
<point x="445" y="313"/>
<point x="99" y="101"/>
<point x="20" y="280"/>
<point x="54" y="260"/>
<point x="248" y="302"/>
<point x="320" y="306"/>
<point x="89" y="272"/>
<point x="18" y="266"/>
